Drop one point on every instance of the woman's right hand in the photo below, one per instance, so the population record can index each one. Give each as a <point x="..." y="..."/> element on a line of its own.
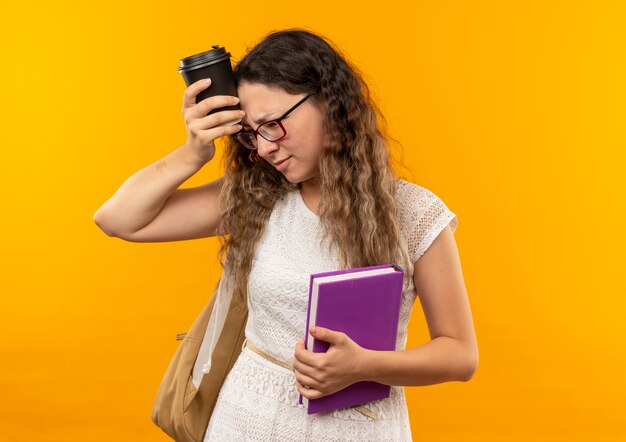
<point x="203" y="129"/>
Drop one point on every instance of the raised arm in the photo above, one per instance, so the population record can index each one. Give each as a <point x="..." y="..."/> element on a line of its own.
<point x="149" y="206"/>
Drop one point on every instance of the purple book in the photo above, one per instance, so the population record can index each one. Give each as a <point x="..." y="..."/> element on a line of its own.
<point x="363" y="303"/>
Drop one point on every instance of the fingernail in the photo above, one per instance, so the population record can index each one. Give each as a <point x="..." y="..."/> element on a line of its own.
<point x="206" y="81"/>
<point x="235" y="100"/>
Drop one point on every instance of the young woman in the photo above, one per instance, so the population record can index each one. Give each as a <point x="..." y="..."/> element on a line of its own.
<point x="307" y="188"/>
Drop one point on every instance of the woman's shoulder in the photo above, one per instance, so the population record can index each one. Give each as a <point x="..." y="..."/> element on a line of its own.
<point x="407" y="191"/>
<point x="414" y="201"/>
<point x="422" y="215"/>
<point x="401" y="184"/>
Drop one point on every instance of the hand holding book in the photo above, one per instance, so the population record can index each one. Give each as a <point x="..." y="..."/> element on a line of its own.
<point x="325" y="373"/>
<point x="356" y="312"/>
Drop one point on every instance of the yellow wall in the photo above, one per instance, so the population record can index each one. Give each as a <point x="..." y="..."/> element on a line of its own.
<point x="511" y="112"/>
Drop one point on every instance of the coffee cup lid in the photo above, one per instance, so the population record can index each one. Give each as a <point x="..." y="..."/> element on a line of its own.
<point x="215" y="55"/>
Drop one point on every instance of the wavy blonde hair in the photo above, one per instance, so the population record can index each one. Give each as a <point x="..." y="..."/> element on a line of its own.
<point x="357" y="207"/>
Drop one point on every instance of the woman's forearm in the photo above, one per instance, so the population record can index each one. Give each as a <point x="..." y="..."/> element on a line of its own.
<point x="140" y="198"/>
<point x="443" y="359"/>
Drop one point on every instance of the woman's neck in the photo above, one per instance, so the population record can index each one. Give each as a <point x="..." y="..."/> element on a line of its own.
<point x="311" y="193"/>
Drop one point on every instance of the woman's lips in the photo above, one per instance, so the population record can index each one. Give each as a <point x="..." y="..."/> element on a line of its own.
<point x="280" y="165"/>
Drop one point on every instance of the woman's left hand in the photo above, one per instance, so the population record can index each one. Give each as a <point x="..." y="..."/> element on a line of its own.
<point x="326" y="373"/>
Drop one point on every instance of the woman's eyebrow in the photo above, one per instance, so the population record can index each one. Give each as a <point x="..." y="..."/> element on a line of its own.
<point x="263" y="118"/>
<point x="260" y="120"/>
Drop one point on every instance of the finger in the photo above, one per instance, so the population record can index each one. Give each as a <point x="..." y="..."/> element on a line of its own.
<point x="205" y="126"/>
<point x="309" y="393"/>
<point x="206" y="137"/>
<point x="220" y="118"/>
<point x="300" y="367"/>
<point x="221" y="131"/>
<point x="307" y="381"/>
<point x="189" y="97"/>
<point x="215" y="102"/>
<point x="202" y="109"/>
<point x="327" y="335"/>
<point x="305" y="356"/>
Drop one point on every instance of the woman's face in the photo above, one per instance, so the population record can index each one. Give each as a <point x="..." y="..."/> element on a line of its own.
<point x="296" y="155"/>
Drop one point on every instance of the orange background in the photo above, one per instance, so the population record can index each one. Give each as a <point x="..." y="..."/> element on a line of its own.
<point x="511" y="112"/>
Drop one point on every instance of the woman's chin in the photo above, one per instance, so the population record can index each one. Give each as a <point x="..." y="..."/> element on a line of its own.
<point x="293" y="179"/>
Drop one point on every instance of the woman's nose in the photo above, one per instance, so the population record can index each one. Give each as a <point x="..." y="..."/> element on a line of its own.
<point x="265" y="147"/>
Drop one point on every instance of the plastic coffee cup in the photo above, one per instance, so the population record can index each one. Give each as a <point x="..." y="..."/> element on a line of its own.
<point x="213" y="64"/>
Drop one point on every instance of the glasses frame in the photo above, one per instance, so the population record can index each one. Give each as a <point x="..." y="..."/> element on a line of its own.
<point x="278" y="120"/>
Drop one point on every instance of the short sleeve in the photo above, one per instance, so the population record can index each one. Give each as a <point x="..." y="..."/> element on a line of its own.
<point x="422" y="216"/>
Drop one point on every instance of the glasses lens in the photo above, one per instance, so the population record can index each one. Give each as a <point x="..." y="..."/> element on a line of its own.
<point x="248" y="140"/>
<point x="271" y="131"/>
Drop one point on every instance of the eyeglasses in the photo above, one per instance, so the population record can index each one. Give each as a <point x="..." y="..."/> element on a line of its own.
<point x="272" y="130"/>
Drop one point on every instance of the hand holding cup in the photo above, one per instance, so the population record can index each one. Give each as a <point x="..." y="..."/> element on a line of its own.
<point x="203" y="127"/>
<point x="211" y="109"/>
